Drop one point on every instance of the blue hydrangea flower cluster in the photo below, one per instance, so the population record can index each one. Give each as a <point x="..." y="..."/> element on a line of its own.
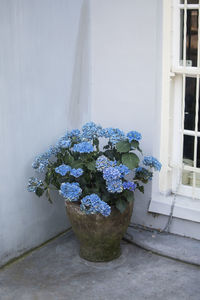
<point x="70" y="191"/>
<point x="113" y="182"/>
<point x="84" y="147"/>
<point x="53" y="150"/>
<point x="115" y="135"/>
<point x="114" y="186"/>
<point x="152" y="162"/>
<point x="64" y="142"/>
<point x="41" y="162"/>
<point x="90" y="130"/>
<point x="103" y="162"/>
<point x="134" y="136"/>
<point x="124" y="170"/>
<point x="75" y="133"/>
<point x="143" y="173"/>
<point x="76" y="172"/>
<point x="33" y="184"/>
<point x="63" y="169"/>
<point x="92" y="204"/>
<point x="129" y="185"/>
<point x="111" y="173"/>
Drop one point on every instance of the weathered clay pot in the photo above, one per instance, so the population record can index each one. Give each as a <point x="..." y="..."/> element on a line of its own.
<point x="99" y="236"/>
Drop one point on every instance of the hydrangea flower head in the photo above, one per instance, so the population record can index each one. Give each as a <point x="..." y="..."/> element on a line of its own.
<point x="92" y="204"/>
<point x="152" y="162"/>
<point x="41" y="162"/>
<point x="64" y="142"/>
<point x="63" y="169"/>
<point x="103" y="162"/>
<point x="115" y="135"/>
<point x="70" y="191"/>
<point x="124" y="170"/>
<point x="76" y="172"/>
<point x="83" y="147"/>
<point x="114" y="186"/>
<point x="75" y="133"/>
<point x="53" y="150"/>
<point x="111" y="173"/>
<point x="33" y="184"/>
<point x="134" y="136"/>
<point x="91" y="130"/>
<point x="131" y="186"/>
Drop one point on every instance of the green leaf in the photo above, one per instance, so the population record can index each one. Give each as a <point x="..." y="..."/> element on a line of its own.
<point x="130" y="160"/>
<point x="68" y="159"/>
<point x="39" y="192"/>
<point x="121" y="205"/>
<point x="141" y="188"/>
<point x="123" y="147"/>
<point x="106" y="147"/>
<point x="129" y="196"/>
<point x="91" y="165"/>
<point x="109" y="154"/>
<point x="77" y="164"/>
<point x="135" y="144"/>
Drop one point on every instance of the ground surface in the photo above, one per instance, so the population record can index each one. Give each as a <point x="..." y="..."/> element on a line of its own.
<point x="56" y="272"/>
<point x="170" y="245"/>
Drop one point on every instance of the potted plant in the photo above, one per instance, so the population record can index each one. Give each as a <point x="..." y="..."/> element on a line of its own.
<point x="96" y="171"/>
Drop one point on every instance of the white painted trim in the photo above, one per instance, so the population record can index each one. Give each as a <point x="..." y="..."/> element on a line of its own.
<point x="165" y="176"/>
<point x="185" y="208"/>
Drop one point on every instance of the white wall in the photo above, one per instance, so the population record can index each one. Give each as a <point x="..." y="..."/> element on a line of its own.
<point x="126" y="72"/>
<point x="42" y="46"/>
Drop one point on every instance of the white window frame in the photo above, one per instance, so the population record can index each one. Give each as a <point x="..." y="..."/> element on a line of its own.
<point x="187" y="206"/>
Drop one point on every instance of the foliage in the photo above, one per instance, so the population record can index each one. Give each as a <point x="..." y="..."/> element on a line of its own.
<point x="98" y="175"/>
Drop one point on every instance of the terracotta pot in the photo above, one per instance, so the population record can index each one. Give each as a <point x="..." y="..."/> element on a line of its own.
<point x="99" y="236"/>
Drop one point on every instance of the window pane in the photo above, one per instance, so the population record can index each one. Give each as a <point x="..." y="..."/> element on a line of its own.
<point x="192" y="1"/>
<point x="192" y="37"/>
<point x="186" y="177"/>
<point x="189" y="1"/>
<point x="198" y="152"/>
<point x="181" y="34"/>
<point x="190" y="103"/>
<point x="188" y="150"/>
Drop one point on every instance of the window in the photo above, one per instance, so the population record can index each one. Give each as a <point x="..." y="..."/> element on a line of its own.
<point x="185" y="69"/>
<point x="180" y="112"/>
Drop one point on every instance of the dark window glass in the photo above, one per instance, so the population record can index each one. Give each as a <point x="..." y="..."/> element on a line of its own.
<point x="190" y="103"/>
<point x="198" y="152"/>
<point x="189" y="1"/>
<point x="181" y="34"/>
<point x="192" y="1"/>
<point x="192" y="37"/>
<point x="188" y="150"/>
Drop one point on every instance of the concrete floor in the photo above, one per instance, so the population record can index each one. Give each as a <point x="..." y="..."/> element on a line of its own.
<point x="169" y="245"/>
<point x="56" y="272"/>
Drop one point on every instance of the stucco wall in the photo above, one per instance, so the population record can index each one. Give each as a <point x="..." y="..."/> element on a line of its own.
<point x="126" y="39"/>
<point x="43" y="63"/>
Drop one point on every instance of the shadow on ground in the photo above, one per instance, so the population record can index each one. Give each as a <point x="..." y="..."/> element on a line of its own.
<point x="56" y="272"/>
